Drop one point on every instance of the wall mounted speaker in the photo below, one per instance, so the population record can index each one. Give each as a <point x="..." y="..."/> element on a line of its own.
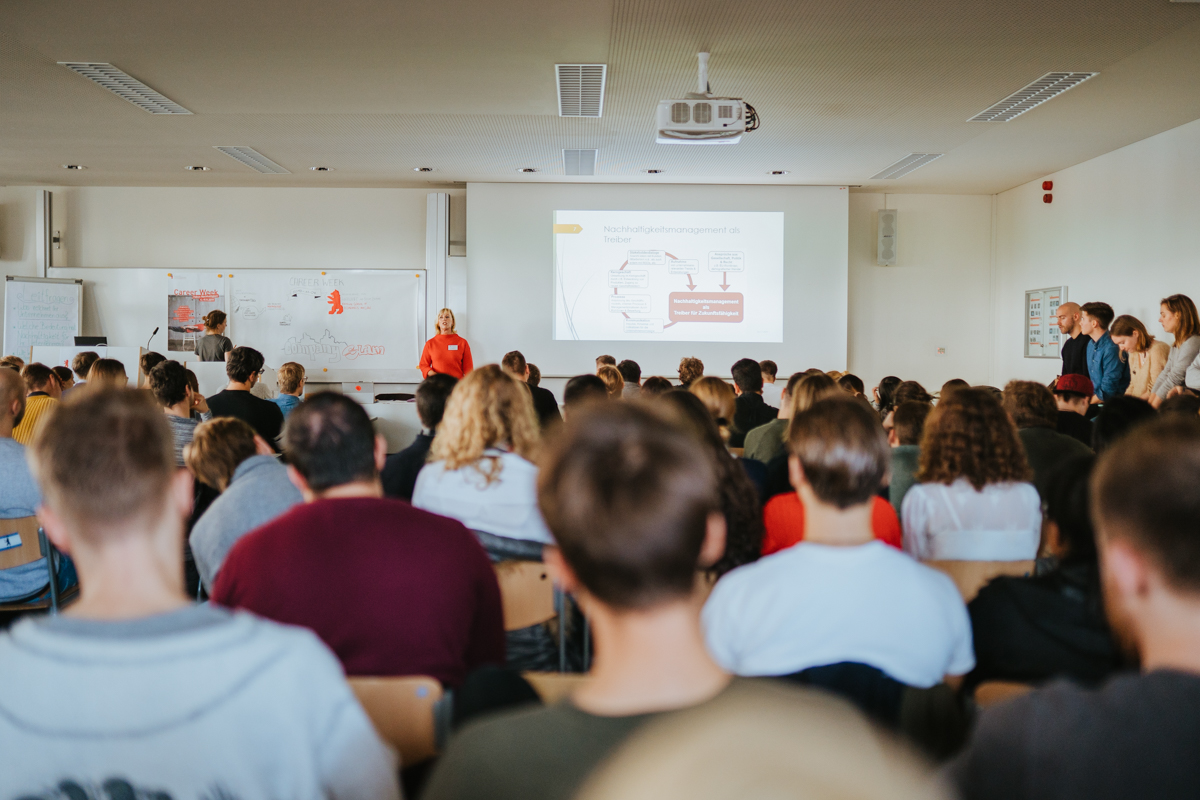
<point x="886" y="245"/>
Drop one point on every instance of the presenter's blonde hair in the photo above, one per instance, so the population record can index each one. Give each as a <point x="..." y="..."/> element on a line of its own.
<point x="488" y="408"/>
<point x="453" y="321"/>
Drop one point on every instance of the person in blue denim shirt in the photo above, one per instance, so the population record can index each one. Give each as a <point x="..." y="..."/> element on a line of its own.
<point x="291" y="387"/>
<point x="1109" y="374"/>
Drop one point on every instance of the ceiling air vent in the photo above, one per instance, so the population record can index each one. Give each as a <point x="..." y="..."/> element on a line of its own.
<point x="906" y="165"/>
<point x="125" y="87"/>
<point x="1050" y="85"/>
<point x="579" y="162"/>
<point x="580" y="89"/>
<point x="253" y="159"/>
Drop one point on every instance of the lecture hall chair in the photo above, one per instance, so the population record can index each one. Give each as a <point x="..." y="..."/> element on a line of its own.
<point x="971" y="576"/>
<point x="33" y="545"/>
<point x="401" y="709"/>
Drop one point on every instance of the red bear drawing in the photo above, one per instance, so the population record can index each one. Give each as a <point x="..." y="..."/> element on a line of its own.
<point x="335" y="302"/>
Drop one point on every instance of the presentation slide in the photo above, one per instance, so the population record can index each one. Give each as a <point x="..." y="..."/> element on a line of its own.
<point x="684" y="276"/>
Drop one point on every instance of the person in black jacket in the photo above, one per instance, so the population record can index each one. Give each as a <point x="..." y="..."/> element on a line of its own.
<point x="544" y="402"/>
<point x="400" y="471"/>
<point x="751" y="410"/>
<point x="244" y="367"/>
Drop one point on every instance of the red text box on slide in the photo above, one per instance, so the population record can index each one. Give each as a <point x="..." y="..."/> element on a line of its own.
<point x="706" y="306"/>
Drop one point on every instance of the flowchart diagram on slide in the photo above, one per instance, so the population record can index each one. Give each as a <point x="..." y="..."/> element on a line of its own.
<point x="714" y="276"/>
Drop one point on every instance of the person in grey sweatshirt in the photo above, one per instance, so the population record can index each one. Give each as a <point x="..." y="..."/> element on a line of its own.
<point x="229" y="456"/>
<point x="133" y="691"/>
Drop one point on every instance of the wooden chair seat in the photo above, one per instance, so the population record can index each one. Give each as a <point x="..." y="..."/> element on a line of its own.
<point x="401" y="709"/>
<point x="989" y="693"/>
<point x="971" y="576"/>
<point x="24" y="542"/>
<point x="526" y="593"/>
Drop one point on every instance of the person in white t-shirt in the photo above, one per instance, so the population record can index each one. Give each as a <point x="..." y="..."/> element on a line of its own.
<point x="772" y="392"/>
<point x="973" y="500"/>
<point x="839" y="596"/>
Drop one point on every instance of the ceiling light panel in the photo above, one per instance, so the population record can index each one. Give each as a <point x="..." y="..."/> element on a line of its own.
<point x="253" y="159"/>
<point x="1049" y="86"/>
<point x="125" y="86"/>
<point x="580" y="89"/>
<point x="579" y="162"/>
<point x="906" y="165"/>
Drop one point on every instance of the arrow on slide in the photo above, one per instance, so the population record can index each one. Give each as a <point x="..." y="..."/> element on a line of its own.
<point x="669" y="324"/>
<point x="671" y="256"/>
<point x="724" y="282"/>
<point x="614" y="290"/>
<point x="623" y="314"/>
<point x="622" y="266"/>
<point x="690" y="284"/>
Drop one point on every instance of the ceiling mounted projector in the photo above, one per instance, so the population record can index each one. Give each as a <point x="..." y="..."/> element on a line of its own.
<point x="701" y="118"/>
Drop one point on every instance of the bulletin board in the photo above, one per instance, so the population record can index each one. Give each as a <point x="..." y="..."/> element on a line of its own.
<point x="1042" y="336"/>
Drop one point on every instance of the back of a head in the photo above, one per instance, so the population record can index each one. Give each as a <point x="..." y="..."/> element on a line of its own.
<point x="810" y="389"/>
<point x="535" y="375"/>
<point x="690" y="369"/>
<point x="1067" y="502"/>
<point x="768" y="367"/>
<point x="12" y="390"/>
<point x="431" y="396"/>
<point x="330" y="441"/>
<point x="289" y="376"/>
<point x="149" y="360"/>
<point x="64" y="373"/>
<point x="951" y="386"/>
<point x="908" y="420"/>
<point x="627" y="496"/>
<point x="1185" y="405"/>
<point x="38" y="377"/>
<point x="747" y="376"/>
<point x="656" y="385"/>
<point x="514" y="362"/>
<point x="82" y="363"/>
<point x="103" y="460"/>
<point x="631" y="371"/>
<point x="487" y="408"/>
<point x="613" y="382"/>
<point x="842" y="449"/>
<point x="243" y="363"/>
<point x="694" y="417"/>
<point x="217" y="448"/>
<point x="107" y="373"/>
<point x="584" y="389"/>
<point x="1145" y="491"/>
<point x="717" y="397"/>
<point x="605" y="360"/>
<point x="969" y="435"/>
<point x="1102" y="313"/>
<point x="1118" y="416"/>
<point x="852" y="383"/>
<point x="1030" y="404"/>
<point x="213" y="318"/>
<point x="16" y="362"/>
<point x="168" y="382"/>
<point x="910" y="392"/>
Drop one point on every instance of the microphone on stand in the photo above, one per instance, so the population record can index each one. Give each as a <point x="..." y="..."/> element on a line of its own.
<point x="151" y="339"/>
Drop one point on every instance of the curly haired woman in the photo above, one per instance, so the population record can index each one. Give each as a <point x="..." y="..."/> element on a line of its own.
<point x="973" y="500"/>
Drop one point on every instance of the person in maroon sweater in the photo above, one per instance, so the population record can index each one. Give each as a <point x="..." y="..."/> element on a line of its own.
<point x="391" y="589"/>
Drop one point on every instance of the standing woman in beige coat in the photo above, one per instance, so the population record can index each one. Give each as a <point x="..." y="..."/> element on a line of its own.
<point x="1146" y="355"/>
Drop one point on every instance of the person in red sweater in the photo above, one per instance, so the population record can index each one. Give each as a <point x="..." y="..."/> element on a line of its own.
<point x="391" y="589"/>
<point x="447" y="353"/>
<point x="783" y="523"/>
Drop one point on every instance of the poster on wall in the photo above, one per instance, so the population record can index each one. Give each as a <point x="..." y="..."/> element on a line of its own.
<point x="190" y="296"/>
<point x="1042" y="337"/>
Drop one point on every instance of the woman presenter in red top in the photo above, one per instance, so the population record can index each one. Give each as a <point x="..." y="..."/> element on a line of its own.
<point x="447" y="353"/>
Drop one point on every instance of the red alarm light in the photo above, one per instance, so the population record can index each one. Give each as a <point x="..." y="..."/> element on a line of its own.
<point x="1047" y="185"/>
<point x="1047" y="198"/>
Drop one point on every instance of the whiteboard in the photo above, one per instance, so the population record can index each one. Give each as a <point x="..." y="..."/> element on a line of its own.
<point x="40" y="311"/>
<point x="126" y="305"/>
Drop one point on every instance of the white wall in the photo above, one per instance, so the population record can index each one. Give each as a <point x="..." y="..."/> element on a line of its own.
<point x="1123" y="229"/>
<point x="510" y="274"/>
<point x="937" y="295"/>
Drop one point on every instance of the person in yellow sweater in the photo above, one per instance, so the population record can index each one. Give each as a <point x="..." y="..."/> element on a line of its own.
<point x="44" y="390"/>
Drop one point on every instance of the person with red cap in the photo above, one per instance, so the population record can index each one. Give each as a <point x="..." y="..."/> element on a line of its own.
<point x="1072" y="393"/>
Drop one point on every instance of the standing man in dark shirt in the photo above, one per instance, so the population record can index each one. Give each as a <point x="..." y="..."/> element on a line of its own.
<point x="544" y="402"/>
<point x="1135" y="736"/>
<point x="751" y="410"/>
<point x="1074" y="343"/>
<point x="401" y="469"/>
<point x="244" y="367"/>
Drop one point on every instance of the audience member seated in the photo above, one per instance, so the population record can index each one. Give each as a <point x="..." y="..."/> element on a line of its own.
<point x="15" y="363"/>
<point x="766" y="441"/>
<point x="951" y="386"/>
<point x="739" y="497"/>
<point x="884" y="393"/>
<point x="19" y="496"/>
<point x="904" y="439"/>
<point x="147" y="362"/>
<point x="43" y="391"/>
<point x="633" y="503"/>
<point x="605" y="361"/>
<point x="1136" y="735"/>
<point x="690" y="370"/>
<point x="401" y="469"/>
<point x="751" y="410"/>
<point x="910" y="392"/>
<point x="168" y="382"/>
<point x="812" y="387"/>
<point x="393" y="590"/>
<point x="1051" y="625"/>
<point x="973" y="500"/>
<point x="852" y="385"/>
<point x="1146" y="355"/>
<point x="839" y="596"/>
<point x="631" y="373"/>
<point x="1183" y="405"/>
<point x="107" y="373"/>
<point x="244" y="366"/>
<point x="134" y="691"/>
<point x="771" y="391"/>
<point x="1117" y="417"/>
<point x="290" y="379"/>
<point x="783" y="523"/>
<point x="229" y="456"/>
<point x="66" y="378"/>
<point x="481" y="471"/>
<point x="544" y="403"/>
<point x="81" y="364"/>
<point x="1032" y="408"/>
<point x="1072" y="398"/>
<point x="613" y="382"/>
<point x="720" y="401"/>
<point x="582" y="390"/>
<point x="656" y="385"/>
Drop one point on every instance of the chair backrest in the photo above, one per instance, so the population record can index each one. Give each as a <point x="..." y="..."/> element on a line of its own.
<point x="971" y="576"/>
<point x="526" y="592"/>
<point x="553" y="686"/>
<point x="19" y="540"/>
<point x="989" y="693"/>
<point x="401" y="709"/>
